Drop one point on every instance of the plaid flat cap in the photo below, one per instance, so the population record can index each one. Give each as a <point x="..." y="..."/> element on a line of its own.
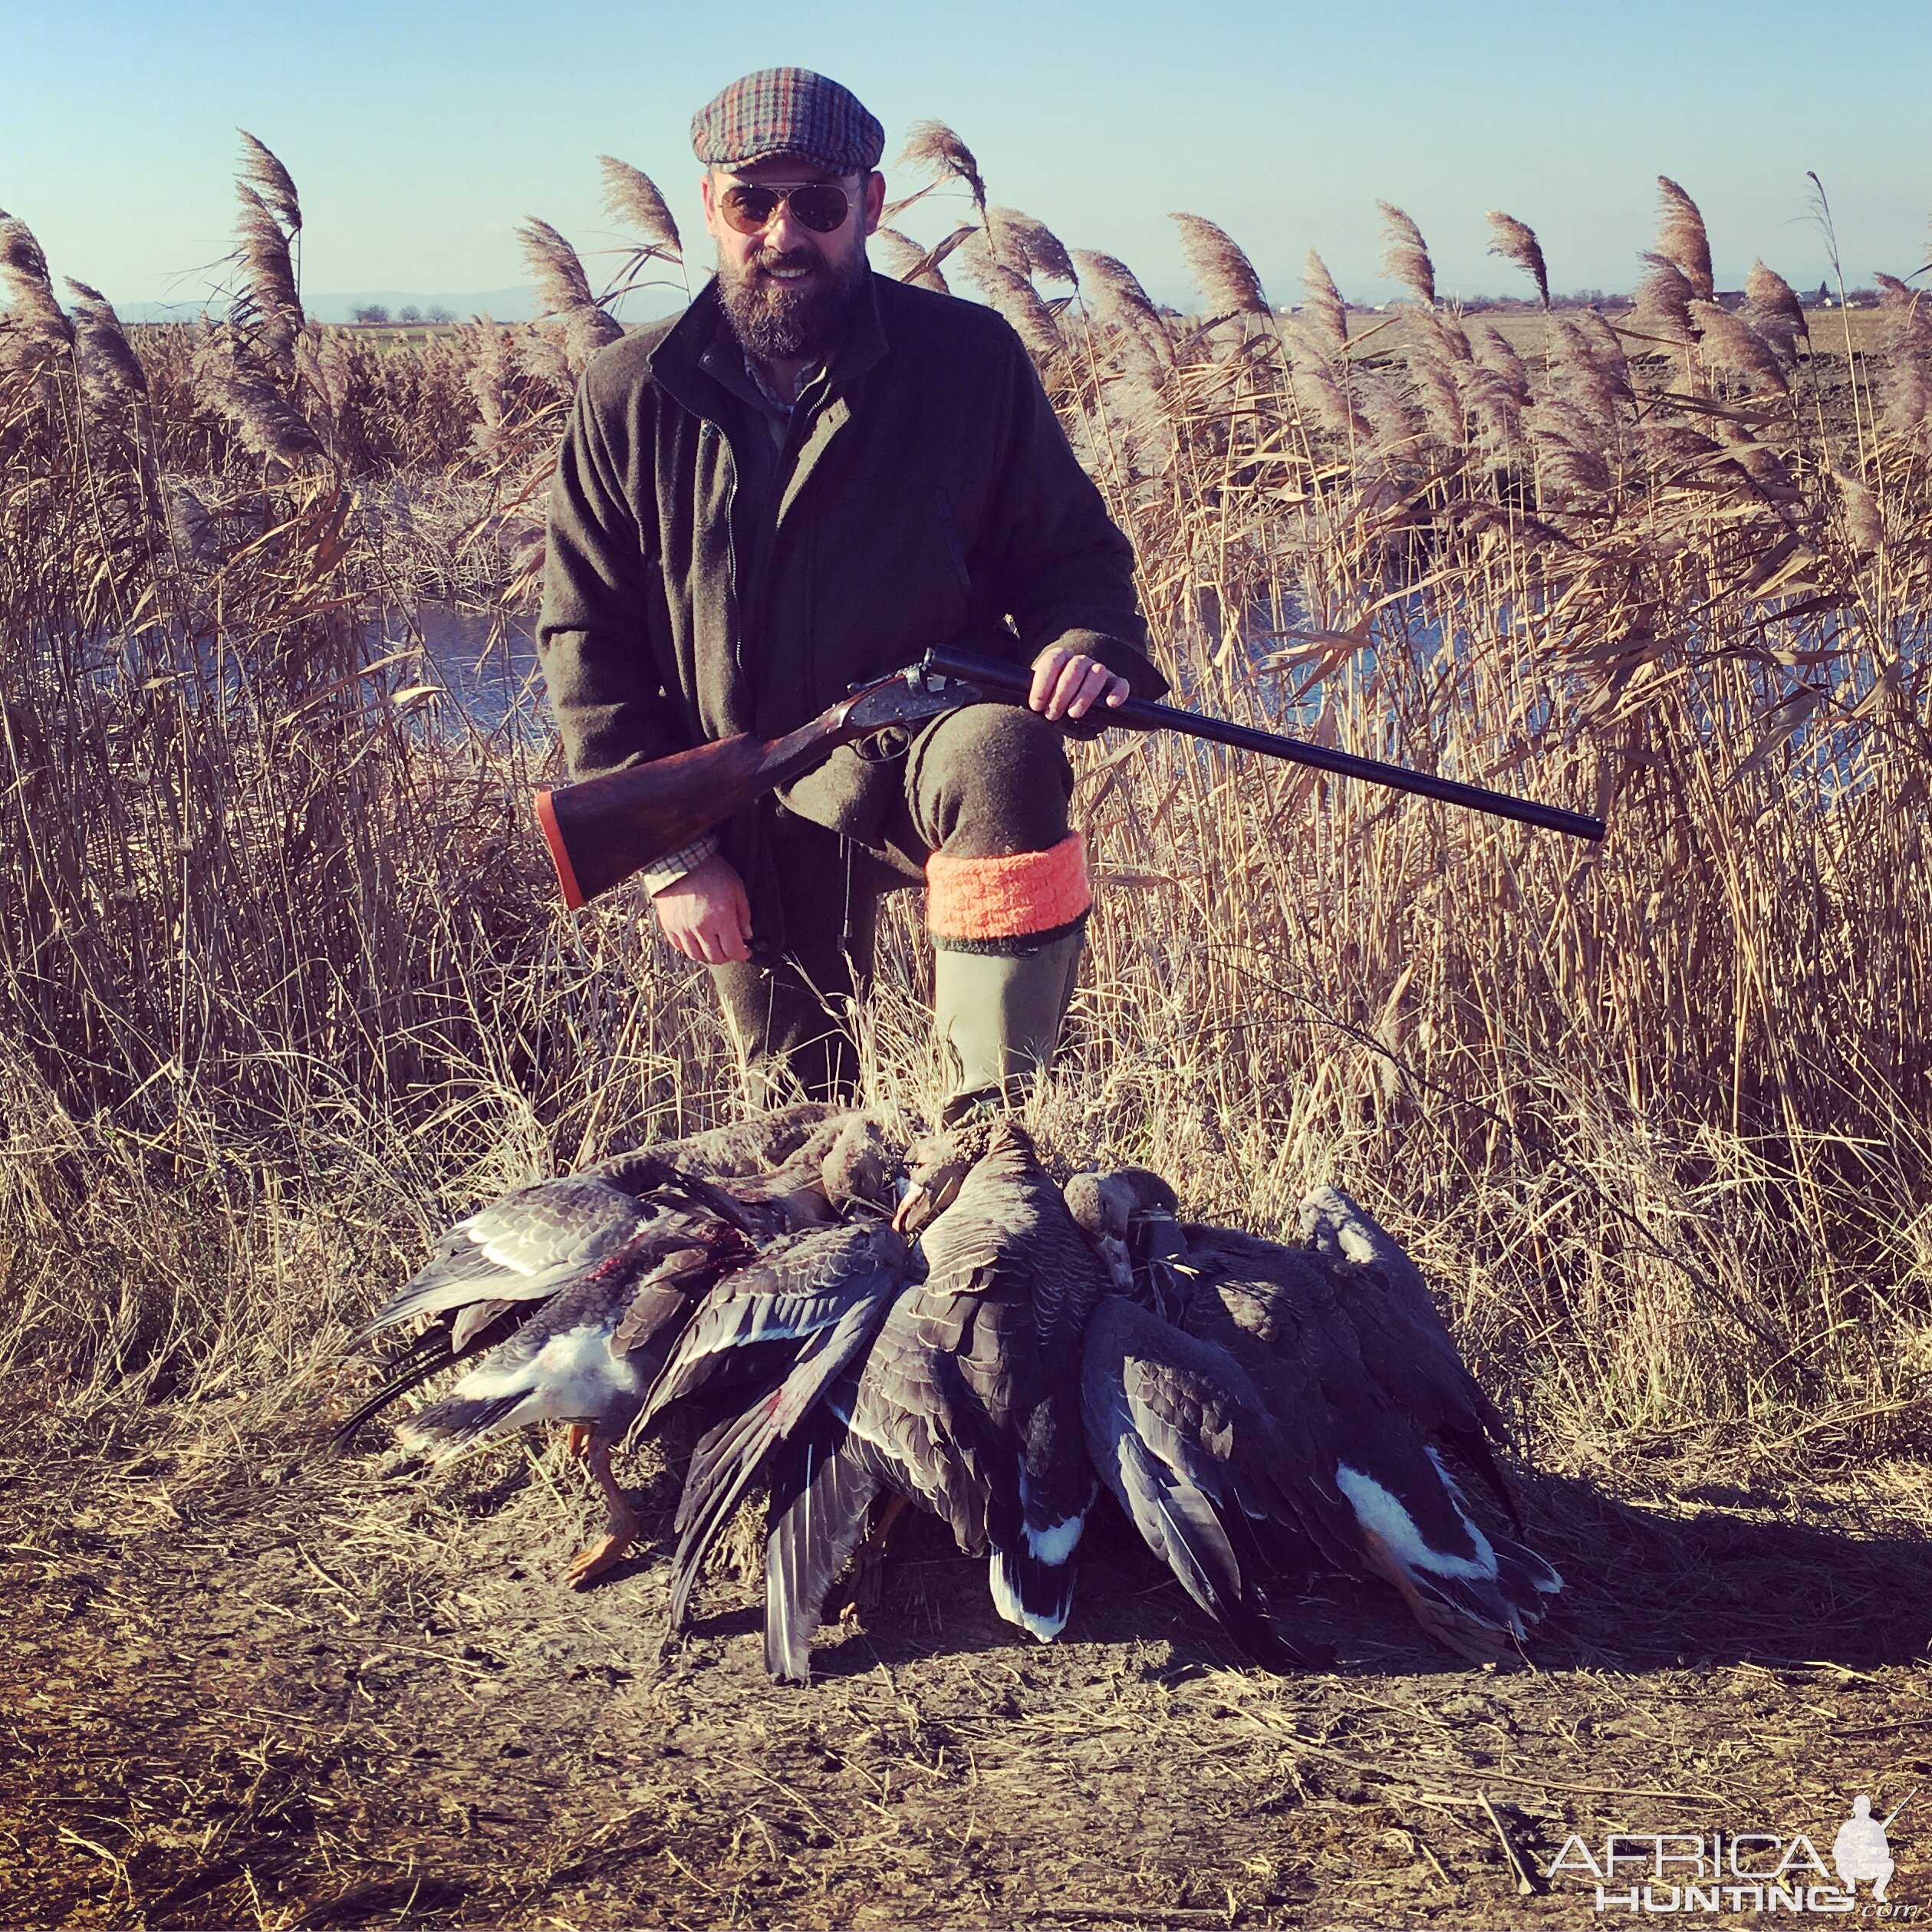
<point x="788" y="110"/>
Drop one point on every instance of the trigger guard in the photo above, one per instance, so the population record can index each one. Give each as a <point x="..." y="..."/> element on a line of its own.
<point x="884" y="746"/>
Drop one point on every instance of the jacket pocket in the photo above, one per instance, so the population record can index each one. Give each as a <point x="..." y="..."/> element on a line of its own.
<point x="949" y="534"/>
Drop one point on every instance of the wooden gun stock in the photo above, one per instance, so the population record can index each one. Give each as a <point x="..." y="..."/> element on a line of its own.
<point x="601" y="830"/>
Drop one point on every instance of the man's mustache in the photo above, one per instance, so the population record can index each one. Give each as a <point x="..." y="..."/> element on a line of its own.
<point x="795" y="258"/>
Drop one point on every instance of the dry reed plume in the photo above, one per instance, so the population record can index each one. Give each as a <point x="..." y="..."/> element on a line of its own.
<point x="1517" y="241"/>
<point x="281" y="983"/>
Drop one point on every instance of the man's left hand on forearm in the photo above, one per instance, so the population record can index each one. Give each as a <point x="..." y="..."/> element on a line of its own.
<point x="1067" y="685"/>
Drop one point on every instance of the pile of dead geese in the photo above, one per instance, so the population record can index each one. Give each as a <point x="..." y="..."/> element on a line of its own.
<point x="860" y="1326"/>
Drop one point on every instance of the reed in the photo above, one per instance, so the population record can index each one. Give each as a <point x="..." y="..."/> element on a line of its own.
<point x="282" y="985"/>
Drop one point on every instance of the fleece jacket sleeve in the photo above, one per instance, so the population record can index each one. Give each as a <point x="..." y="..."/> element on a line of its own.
<point x="1065" y="569"/>
<point x="601" y="578"/>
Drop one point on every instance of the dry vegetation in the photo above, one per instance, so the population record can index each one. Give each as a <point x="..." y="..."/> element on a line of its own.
<point x="282" y="990"/>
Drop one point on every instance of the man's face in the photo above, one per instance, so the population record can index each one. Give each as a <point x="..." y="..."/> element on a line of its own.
<point x="788" y="288"/>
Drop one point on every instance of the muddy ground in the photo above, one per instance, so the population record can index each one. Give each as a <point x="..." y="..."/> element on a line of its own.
<point x="244" y="1685"/>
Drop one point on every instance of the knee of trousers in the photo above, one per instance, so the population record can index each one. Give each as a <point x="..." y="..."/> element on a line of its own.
<point x="994" y="780"/>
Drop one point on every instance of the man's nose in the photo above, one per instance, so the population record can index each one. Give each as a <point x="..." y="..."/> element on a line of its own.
<point x="786" y="231"/>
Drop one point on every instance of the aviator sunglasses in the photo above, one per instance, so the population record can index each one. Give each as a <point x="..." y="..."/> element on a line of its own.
<point x="821" y="206"/>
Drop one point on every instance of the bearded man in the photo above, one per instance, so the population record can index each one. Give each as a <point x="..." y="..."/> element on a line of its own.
<point x="802" y="482"/>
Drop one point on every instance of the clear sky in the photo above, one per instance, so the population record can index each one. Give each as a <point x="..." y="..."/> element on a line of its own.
<point x="420" y="134"/>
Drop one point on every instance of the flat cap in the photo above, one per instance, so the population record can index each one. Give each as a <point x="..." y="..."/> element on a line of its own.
<point x="788" y="110"/>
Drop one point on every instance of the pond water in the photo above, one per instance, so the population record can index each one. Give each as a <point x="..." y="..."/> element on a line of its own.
<point x="484" y="669"/>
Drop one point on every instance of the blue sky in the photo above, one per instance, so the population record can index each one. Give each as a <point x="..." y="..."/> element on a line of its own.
<point x="420" y="134"/>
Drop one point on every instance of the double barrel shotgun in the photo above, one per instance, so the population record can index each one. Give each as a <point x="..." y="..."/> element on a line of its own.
<point x="601" y="830"/>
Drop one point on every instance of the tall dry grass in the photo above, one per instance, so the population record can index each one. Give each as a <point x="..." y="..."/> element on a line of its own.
<point x="281" y="984"/>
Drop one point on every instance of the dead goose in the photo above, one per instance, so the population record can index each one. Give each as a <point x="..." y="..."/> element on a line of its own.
<point x="588" y="1358"/>
<point x="778" y="1347"/>
<point x="1276" y="1311"/>
<point x="847" y="1161"/>
<point x="1181" y="1435"/>
<point x="1177" y="1428"/>
<point x="1404" y="1344"/>
<point x="755" y="1145"/>
<point x="968" y="1405"/>
<point x="494" y="1269"/>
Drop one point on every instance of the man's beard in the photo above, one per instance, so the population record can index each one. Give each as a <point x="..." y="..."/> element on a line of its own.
<point x="782" y="325"/>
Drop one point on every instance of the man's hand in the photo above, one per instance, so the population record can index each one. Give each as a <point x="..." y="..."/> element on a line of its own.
<point x="705" y="914"/>
<point x="1066" y="685"/>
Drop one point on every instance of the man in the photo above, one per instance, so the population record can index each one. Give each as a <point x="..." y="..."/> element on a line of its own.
<point x="803" y="481"/>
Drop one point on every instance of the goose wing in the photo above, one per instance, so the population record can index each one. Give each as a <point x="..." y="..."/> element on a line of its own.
<point x="1403" y="1341"/>
<point x="522" y="1248"/>
<point x="870" y="1271"/>
<point x="762" y="1313"/>
<point x="1264" y="1326"/>
<point x="1403" y="1335"/>
<point x="1180" y="1434"/>
<point x="924" y="1429"/>
<point x="823" y="1484"/>
<point x="473" y="1331"/>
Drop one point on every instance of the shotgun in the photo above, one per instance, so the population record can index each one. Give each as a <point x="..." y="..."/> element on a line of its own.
<point x="601" y="830"/>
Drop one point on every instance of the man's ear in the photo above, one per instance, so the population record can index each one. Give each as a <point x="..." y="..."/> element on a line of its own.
<point x="710" y="204"/>
<point x="875" y="200"/>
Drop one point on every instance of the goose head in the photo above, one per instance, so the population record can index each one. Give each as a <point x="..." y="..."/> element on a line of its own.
<point x="1102" y="1209"/>
<point x="860" y="1165"/>
<point x="941" y="1163"/>
<point x="1128" y="1214"/>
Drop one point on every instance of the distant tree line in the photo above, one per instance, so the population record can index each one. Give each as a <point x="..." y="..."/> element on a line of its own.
<point x="375" y="315"/>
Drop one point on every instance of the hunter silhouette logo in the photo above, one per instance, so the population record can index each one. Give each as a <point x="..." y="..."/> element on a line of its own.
<point x="1862" y="1852"/>
<point x="1725" y="1871"/>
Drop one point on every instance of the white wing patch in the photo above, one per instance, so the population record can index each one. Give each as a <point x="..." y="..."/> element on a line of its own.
<point x="1382" y="1512"/>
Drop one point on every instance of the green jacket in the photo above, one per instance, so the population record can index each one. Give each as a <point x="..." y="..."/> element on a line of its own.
<point x="925" y="492"/>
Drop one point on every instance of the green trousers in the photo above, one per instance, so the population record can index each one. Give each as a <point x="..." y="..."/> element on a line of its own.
<point x="982" y="782"/>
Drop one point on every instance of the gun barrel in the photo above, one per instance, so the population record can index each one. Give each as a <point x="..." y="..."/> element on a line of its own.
<point x="1144" y="714"/>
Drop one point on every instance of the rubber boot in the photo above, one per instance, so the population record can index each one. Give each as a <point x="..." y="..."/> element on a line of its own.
<point x="997" y="1019"/>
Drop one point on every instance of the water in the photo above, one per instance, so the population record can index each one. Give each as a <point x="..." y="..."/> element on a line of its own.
<point x="484" y="670"/>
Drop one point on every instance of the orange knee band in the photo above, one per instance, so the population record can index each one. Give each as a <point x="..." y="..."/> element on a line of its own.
<point x="1010" y="897"/>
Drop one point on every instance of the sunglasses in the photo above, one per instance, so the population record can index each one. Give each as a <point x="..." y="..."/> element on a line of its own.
<point x="821" y="206"/>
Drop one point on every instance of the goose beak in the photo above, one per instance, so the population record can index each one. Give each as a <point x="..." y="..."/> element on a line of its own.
<point x="931" y="1191"/>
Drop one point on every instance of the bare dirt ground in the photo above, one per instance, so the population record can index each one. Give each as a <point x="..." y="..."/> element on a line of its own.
<point x="244" y="1684"/>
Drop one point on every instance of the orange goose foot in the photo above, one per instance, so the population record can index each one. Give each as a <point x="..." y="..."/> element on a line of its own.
<point x="604" y="1556"/>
